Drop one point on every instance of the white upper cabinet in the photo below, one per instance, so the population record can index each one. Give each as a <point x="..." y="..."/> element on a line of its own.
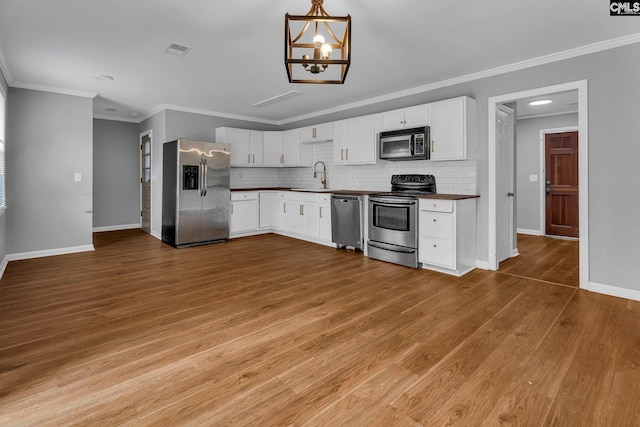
<point x="405" y="118"/>
<point x="317" y="133"/>
<point x="284" y="149"/>
<point x="246" y="145"/>
<point x="354" y="141"/>
<point x="452" y="128"/>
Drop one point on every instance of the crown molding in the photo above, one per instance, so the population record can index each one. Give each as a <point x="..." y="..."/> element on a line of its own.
<point x="529" y="63"/>
<point x="43" y="88"/>
<point x="4" y="69"/>
<point x="162" y="107"/>
<point x="116" y="119"/>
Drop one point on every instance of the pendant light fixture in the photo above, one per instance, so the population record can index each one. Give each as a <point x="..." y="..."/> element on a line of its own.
<point x="317" y="46"/>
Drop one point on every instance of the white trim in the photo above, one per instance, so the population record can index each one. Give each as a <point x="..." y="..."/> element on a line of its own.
<point x="4" y="68"/>
<point x="529" y="232"/>
<point x="538" y="116"/>
<point x="483" y="265"/>
<point x="43" y="88"/>
<point x="156" y="235"/>
<point x="583" y="129"/>
<point x="3" y="265"/>
<point x="162" y="107"/>
<point x="116" y="119"/>
<point x="615" y="291"/>
<point x="529" y="63"/>
<point x="50" y="252"/>
<point x="115" y="228"/>
<point x="543" y="173"/>
<point x="141" y="135"/>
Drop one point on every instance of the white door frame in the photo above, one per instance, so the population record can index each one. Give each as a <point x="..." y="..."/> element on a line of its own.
<point x="583" y="165"/>
<point x="543" y="193"/>
<point x="143" y="134"/>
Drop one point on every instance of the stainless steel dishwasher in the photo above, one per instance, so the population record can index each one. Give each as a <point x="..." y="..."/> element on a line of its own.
<point x="346" y="221"/>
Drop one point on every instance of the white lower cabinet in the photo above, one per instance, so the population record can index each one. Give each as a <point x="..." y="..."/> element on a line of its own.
<point x="325" y="217"/>
<point x="268" y="209"/>
<point x="244" y="214"/>
<point x="447" y="235"/>
<point x="303" y="214"/>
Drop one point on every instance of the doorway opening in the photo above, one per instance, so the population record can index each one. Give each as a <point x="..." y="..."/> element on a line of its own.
<point x="495" y="222"/>
<point x="145" y="181"/>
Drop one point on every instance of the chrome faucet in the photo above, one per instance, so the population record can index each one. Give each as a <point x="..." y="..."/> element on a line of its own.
<point x="324" y="173"/>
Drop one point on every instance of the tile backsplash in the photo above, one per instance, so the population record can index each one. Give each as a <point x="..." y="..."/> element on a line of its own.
<point x="454" y="177"/>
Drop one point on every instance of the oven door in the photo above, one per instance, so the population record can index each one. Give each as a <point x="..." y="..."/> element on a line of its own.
<point x="392" y="220"/>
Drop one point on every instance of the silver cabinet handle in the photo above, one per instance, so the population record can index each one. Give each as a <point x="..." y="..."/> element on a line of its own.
<point x="231" y="208"/>
<point x="284" y="205"/>
<point x="342" y="154"/>
<point x="320" y="211"/>
<point x="248" y="158"/>
<point x="205" y="179"/>
<point x="301" y="209"/>
<point x="254" y="158"/>
<point x="347" y="151"/>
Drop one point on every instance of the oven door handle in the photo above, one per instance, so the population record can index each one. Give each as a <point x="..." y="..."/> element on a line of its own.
<point x="394" y="203"/>
<point x="392" y="248"/>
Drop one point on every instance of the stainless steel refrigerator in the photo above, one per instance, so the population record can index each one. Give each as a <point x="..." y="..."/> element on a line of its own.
<point x="195" y="192"/>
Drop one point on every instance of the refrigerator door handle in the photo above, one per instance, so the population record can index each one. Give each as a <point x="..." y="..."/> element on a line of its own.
<point x="200" y="172"/>
<point x="204" y="179"/>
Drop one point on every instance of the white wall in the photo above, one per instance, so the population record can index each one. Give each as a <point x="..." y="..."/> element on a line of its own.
<point x="49" y="138"/>
<point x="3" y="229"/>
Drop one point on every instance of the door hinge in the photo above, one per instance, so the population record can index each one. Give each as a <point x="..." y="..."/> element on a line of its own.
<point x="140" y="213"/>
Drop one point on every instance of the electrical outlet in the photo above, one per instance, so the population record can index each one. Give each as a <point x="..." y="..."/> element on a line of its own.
<point x="533" y="178"/>
<point x="77" y="177"/>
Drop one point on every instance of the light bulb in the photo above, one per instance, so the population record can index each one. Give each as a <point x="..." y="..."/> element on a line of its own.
<point x="318" y="40"/>
<point x="326" y="50"/>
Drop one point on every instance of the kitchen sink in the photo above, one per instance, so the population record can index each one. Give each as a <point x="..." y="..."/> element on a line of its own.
<point x="315" y="190"/>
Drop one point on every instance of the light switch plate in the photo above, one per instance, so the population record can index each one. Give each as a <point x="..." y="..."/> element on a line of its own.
<point x="77" y="177"/>
<point x="533" y="178"/>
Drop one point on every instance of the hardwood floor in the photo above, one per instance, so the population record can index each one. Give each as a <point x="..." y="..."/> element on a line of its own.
<point x="545" y="258"/>
<point x="268" y="330"/>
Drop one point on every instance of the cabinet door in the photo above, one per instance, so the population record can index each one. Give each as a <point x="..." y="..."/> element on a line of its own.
<point x="448" y="132"/>
<point x="243" y="216"/>
<point x="325" y="222"/>
<point x="392" y="120"/>
<point x="268" y="210"/>
<point x="272" y="148"/>
<point x="311" y="219"/>
<point x="256" y="148"/>
<point x="416" y="116"/>
<point x="339" y="142"/>
<point x="295" y="218"/>
<point x="323" y="132"/>
<point x="240" y="145"/>
<point x="361" y="140"/>
<point x="295" y="153"/>
<point x="437" y="251"/>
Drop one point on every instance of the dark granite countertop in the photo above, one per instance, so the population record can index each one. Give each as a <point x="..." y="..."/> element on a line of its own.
<point x="361" y="193"/>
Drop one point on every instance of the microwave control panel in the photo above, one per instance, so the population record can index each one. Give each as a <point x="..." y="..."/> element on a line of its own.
<point x="418" y="144"/>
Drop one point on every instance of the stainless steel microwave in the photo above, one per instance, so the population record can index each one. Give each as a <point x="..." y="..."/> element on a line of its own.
<point x="405" y="144"/>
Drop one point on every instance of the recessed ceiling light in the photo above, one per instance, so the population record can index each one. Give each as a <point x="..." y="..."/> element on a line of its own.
<point x="104" y="77"/>
<point x="541" y="102"/>
<point x="111" y="110"/>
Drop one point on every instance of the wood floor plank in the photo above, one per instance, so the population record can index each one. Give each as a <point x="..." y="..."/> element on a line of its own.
<point x="269" y="330"/>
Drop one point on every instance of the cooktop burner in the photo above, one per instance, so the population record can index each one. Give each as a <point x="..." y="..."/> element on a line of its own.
<point x="411" y="185"/>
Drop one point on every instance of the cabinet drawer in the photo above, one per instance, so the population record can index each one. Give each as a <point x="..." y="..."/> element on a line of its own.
<point x="300" y="196"/>
<point x="436" y="205"/>
<point x="438" y="225"/>
<point x="241" y="195"/>
<point x="436" y="251"/>
<point x="325" y="198"/>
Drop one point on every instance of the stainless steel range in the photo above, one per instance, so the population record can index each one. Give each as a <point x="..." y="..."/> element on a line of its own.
<point x="393" y="219"/>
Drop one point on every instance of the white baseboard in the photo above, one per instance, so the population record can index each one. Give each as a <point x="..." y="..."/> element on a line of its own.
<point x="50" y="252"/>
<point x="483" y="265"/>
<point x="614" y="291"/>
<point x="115" y="227"/>
<point x="156" y="235"/>
<point x="3" y="266"/>
<point x="530" y="232"/>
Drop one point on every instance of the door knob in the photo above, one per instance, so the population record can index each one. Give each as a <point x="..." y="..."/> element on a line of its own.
<point x="510" y="194"/>
<point x="548" y="190"/>
<point x="548" y="182"/>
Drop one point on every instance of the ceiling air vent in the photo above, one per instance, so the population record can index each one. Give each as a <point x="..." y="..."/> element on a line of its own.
<point x="177" y="49"/>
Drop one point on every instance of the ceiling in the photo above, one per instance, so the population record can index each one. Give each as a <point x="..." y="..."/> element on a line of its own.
<point x="237" y="58"/>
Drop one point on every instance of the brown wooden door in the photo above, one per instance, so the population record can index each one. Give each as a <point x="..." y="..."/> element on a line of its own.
<point x="562" y="189"/>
